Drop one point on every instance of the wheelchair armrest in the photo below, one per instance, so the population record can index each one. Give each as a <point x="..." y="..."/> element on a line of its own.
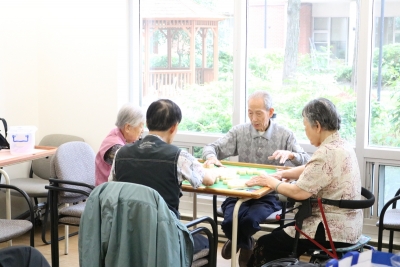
<point x="350" y="204"/>
<point x="359" y="204"/>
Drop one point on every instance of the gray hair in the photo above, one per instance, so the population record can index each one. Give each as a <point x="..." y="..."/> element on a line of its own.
<point x="266" y="96"/>
<point x="130" y="114"/>
<point x="323" y="111"/>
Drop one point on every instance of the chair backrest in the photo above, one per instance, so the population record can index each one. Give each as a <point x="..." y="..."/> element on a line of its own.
<point x="41" y="167"/>
<point x="73" y="161"/>
<point x="17" y="256"/>
<point x="126" y="224"/>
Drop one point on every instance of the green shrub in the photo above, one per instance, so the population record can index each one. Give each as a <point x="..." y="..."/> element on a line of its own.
<point x="343" y="73"/>
<point x="210" y="106"/>
<point x="390" y="64"/>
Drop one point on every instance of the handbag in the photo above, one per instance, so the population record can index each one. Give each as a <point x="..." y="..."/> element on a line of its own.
<point x="3" y="141"/>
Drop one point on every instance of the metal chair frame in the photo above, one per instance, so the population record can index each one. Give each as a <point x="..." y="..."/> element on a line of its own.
<point x="305" y="211"/>
<point x="54" y="189"/>
<point x="386" y="226"/>
<point x="31" y="210"/>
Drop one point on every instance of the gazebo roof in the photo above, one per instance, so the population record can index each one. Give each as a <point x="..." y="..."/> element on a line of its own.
<point x="177" y="10"/>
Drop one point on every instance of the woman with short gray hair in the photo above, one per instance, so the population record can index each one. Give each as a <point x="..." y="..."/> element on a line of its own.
<point x="130" y="123"/>
<point x="332" y="173"/>
<point x="323" y="111"/>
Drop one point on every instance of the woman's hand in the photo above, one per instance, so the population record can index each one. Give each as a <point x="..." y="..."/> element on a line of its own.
<point x="278" y="175"/>
<point x="261" y="180"/>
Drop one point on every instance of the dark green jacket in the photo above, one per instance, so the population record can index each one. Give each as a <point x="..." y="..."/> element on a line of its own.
<point x="128" y="225"/>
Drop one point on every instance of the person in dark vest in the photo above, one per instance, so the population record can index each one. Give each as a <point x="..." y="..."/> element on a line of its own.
<point x="156" y="163"/>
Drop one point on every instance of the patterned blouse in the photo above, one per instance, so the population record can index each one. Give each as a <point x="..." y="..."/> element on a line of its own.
<point x="333" y="173"/>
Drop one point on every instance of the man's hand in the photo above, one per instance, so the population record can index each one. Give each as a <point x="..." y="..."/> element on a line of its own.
<point x="212" y="161"/>
<point x="283" y="155"/>
<point x="210" y="176"/>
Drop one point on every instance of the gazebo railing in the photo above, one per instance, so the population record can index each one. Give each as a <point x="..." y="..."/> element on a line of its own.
<point x="204" y="75"/>
<point x="166" y="82"/>
<point x="169" y="82"/>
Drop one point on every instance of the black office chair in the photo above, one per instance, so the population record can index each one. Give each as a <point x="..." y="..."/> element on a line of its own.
<point x="320" y="256"/>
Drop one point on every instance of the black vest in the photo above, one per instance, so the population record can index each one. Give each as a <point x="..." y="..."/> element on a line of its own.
<point x="153" y="163"/>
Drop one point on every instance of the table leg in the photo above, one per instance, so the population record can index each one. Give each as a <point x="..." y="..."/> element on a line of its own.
<point x="8" y="199"/>
<point x="194" y="206"/>
<point x="234" y="230"/>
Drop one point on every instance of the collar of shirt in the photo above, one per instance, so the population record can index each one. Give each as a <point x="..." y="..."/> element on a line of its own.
<point x="155" y="136"/>
<point x="333" y="137"/>
<point x="267" y="134"/>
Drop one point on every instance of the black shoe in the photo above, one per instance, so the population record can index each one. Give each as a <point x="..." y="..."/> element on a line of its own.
<point x="245" y="254"/>
<point x="226" y="251"/>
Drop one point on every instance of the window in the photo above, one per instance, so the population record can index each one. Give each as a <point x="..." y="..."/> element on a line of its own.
<point x="299" y="57"/>
<point x="385" y="177"/>
<point x="384" y="127"/>
<point x="397" y="29"/>
<point x="187" y="57"/>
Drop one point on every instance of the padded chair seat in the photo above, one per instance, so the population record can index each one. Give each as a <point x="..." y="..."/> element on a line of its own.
<point x="200" y="259"/>
<point x="71" y="214"/>
<point x="270" y="219"/>
<point x="391" y="219"/>
<point x="34" y="187"/>
<point x="14" y="229"/>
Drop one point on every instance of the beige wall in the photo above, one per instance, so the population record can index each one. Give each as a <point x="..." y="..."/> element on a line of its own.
<point x="63" y="67"/>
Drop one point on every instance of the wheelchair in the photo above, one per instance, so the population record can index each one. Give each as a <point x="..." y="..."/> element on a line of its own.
<point x="322" y="256"/>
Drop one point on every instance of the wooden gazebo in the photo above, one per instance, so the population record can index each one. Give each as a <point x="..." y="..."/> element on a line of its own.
<point x="171" y="17"/>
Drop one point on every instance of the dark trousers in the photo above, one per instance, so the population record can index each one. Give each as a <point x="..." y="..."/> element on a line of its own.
<point x="200" y="242"/>
<point x="251" y="214"/>
<point x="278" y="245"/>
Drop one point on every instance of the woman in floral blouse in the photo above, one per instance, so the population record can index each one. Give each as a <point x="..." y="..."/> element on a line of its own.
<point x="331" y="173"/>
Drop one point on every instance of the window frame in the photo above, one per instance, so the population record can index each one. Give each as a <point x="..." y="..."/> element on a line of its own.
<point x="365" y="153"/>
